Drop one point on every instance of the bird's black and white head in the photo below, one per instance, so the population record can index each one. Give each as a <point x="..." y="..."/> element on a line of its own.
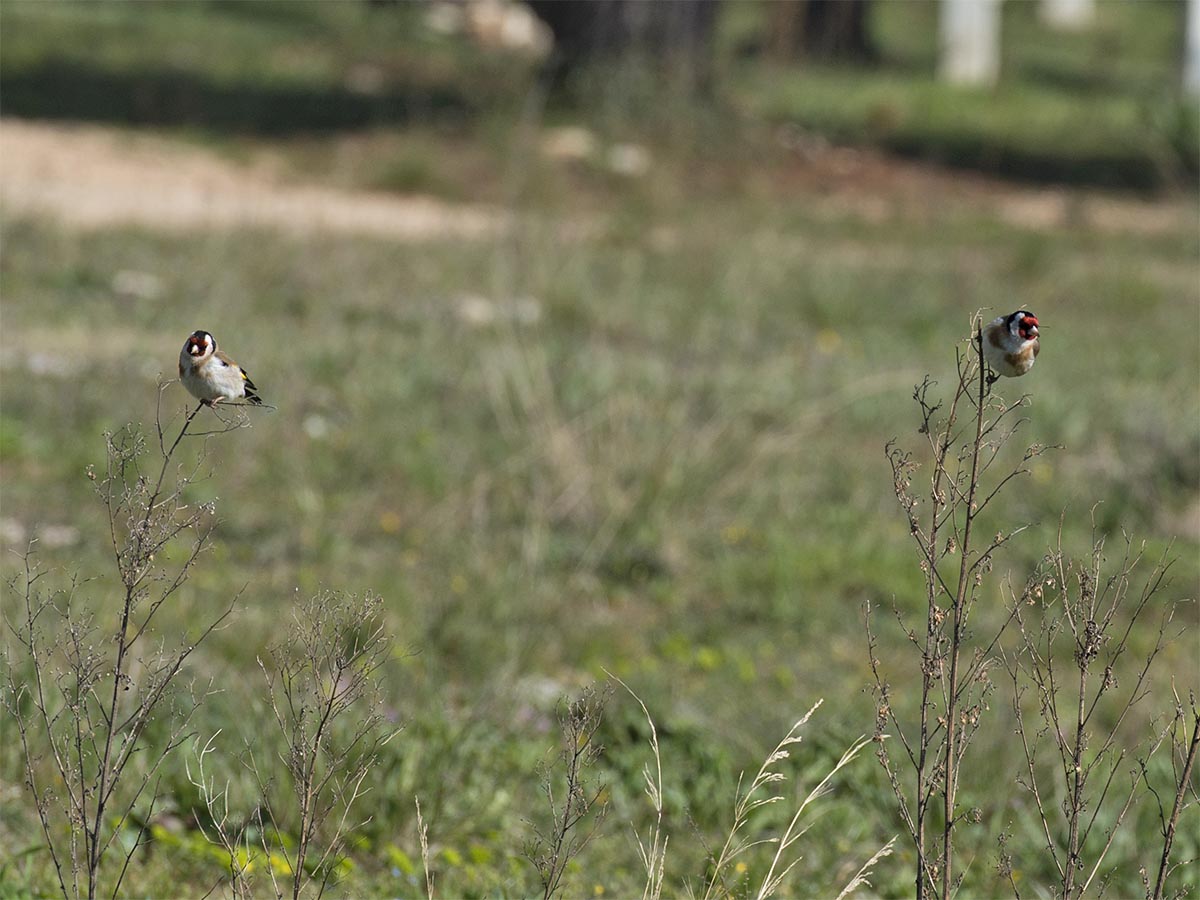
<point x="1023" y="325"/>
<point x="200" y="344"/>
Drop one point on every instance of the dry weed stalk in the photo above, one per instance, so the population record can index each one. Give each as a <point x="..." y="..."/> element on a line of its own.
<point x="551" y="849"/>
<point x="323" y="691"/>
<point x="221" y="828"/>
<point x="756" y="795"/>
<point x="780" y="867"/>
<point x="653" y="850"/>
<point x="759" y="794"/>
<point x="1071" y="654"/>
<point x="1183" y="763"/>
<point x="87" y="681"/>
<point x="423" y="835"/>
<point x="964" y="442"/>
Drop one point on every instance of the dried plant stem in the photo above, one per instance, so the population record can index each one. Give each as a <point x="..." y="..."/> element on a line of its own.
<point x="653" y="851"/>
<point x="551" y="849"/>
<point x="1081" y="711"/>
<point x="323" y="690"/>
<point x="423" y="835"/>
<point x="90" y="697"/>
<point x="756" y="795"/>
<point x="960" y="600"/>
<point x="220" y="830"/>
<point x="132" y="578"/>
<point x="779" y="868"/>
<point x="953" y="669"/>
<point x="760" y="793"/>
<point x="864" y="871"/>
<point x="1185" y="778"/>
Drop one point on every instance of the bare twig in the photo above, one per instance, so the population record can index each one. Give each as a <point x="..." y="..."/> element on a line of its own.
<point x="221" y="827"/>
<point x="93" y="686"/>
<point x="1077" y="605"/>
<point x="552" y="848"/>
<point x="964" y="438"/>
<point x="1186" y="748"/>
<point x="323" y="691"/>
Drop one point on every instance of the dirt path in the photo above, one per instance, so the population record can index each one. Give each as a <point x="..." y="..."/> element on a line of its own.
<point x="877" y="186"/>
<point x="90" y="176"/>
<point x="94" y="177"/>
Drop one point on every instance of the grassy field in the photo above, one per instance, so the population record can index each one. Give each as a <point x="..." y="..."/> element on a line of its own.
<point x="638" y="429"/>
<point x="1100" y="106"/>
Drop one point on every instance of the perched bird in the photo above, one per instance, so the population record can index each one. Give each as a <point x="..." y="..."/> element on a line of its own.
<point x="1010" y="343"/>
<point x="210" y="376"/>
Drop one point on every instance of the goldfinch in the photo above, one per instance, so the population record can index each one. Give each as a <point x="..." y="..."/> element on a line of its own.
<point x="1010" y="343"/>
<point x="210" y="376"/>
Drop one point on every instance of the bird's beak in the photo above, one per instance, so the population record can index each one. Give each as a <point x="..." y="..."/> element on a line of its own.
<point x="1033" y="331"/>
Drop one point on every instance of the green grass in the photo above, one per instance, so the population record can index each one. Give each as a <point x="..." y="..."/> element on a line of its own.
<point x="1102" y="106"/>
<point x="260" y="68"/>
<point x="675" y="474"/>
<point x="1098" y="107"/>
<point x="663" y="477"/>
<point x="233" y="43"/>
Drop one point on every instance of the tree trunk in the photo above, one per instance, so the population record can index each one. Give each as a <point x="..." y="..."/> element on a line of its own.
<point x="970" y="39"/>
<point x="588" y="30"/>
<point x="1191" y="53"/>
<point x="821" y="29"/>
<point x="1068" y="15"/>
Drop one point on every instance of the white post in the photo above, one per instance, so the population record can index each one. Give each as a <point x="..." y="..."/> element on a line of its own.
<point x="1069" y="15"/>
<point x="970" y="38"/>
<point x="1191" y="53"/>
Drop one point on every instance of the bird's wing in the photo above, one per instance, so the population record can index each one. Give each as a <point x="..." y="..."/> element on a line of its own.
<point x="226" y="361"/>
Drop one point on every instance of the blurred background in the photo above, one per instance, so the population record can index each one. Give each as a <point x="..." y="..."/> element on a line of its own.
<point x="586" y="324"/>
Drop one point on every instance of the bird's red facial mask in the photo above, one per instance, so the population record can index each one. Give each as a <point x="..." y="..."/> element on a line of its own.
<point x="196" y="346"/>
<point x="1029" y="327"/>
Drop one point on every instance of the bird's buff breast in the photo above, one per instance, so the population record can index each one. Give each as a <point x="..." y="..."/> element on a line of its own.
<point x="1021" y="361"/>
<point x="211" y="380"/>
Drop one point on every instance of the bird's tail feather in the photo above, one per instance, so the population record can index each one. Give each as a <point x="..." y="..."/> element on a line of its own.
<point x="251" y="391"/>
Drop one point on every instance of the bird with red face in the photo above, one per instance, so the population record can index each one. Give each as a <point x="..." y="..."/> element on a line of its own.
<point x="210" y="376"/>
<point x="1010" y="343"/>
